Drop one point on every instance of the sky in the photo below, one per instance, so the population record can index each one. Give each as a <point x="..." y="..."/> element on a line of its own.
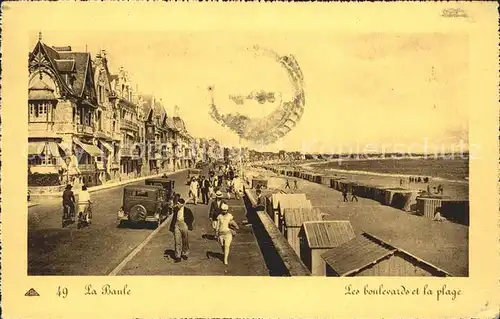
<point x="364" y="91"/>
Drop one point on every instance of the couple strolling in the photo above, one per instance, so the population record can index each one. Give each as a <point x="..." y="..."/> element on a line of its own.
<point x="223" y="224"/>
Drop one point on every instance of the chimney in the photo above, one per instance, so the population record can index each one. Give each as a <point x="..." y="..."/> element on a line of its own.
<point x="62" y="49"/>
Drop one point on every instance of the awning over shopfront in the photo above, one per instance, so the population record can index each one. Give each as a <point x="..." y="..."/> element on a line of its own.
<point x="88" y="148"/>
<point x="53" y="149"/>
<point x="36" y="148"/>
<point x="107" y="146"/>
<point x="130" y="134"/>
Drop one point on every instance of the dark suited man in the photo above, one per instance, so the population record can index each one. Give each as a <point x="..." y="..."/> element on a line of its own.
<point x="182" y="221"/>
<point x="204" y="187"/>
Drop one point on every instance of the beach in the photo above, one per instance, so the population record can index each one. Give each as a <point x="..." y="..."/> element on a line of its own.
<point x="452" y="187"/>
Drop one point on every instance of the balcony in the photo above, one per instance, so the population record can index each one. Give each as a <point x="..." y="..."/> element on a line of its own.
<point x="84" y="129"/>
<point x="129" y="152"/>
<point x="114" y="165"/>
<point x="129" y="125"/>
<point x="87" y="167"/>
<point x="116" y="136"/>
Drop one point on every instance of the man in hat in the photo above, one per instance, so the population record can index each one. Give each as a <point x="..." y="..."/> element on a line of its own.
<point x="69" y="200"/>
<point x="215" y="209"/>
<point x="182" y="221"/>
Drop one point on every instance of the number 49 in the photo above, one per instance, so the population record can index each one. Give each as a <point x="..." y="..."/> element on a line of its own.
<point x="62" y="292"/>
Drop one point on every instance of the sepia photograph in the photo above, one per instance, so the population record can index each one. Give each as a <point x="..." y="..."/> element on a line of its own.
<point x="267" y="164"/>
<point x="246" y="160"/>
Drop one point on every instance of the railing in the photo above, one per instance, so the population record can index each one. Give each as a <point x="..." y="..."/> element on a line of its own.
<point x="84" y="129"/>
<point x="87" y="167"/>
<point x="127" y="124"/>
<point x="129" y="151"/>
<point x="116" y="136"/>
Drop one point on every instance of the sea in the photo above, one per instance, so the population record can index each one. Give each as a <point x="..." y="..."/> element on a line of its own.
<point x="438" y="169"/>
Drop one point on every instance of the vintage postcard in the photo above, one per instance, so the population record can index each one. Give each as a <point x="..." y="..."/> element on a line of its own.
<point x="165" y="160"/>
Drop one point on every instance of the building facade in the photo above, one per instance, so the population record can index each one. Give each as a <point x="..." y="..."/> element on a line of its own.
<point x="89" y="126"/>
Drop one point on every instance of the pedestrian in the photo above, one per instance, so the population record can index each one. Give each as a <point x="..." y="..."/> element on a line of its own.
<point x="287" y="184"/>
<point x="229" y="188"/>
<point x="237" y="187"/>
<point x="353" y="194"/>
<point x="225" y="230"/>
<point x="295" y="184"/>
<point x="428" y="189"/>
<point x="182" y="222"/>
<point x="214" y="209"/>
<point x="344" y="194"/>
<point x="205" y="189"/>
<point x="193" y="190"/>
<point x="259" y="201"/>
<point x="69" y="201"/>
<point x="83" y="202"/>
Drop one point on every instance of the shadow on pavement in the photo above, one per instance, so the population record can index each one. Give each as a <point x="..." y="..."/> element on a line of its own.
<point x="169" y="253"/>
<point x="211" y="254"/>
<point x="208" y="236"/>
<point x="144" y="225"/>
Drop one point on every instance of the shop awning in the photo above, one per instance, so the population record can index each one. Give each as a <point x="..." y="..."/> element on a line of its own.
<point x="89" y="148"/>
<point x="36" y="148"/>
<point x="130" y="134"/>
<point x="107" y="146"/>
<point x="54" y="149"/>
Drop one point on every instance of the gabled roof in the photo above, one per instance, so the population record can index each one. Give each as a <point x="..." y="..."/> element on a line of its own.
<point x="328" y="234"/>
<point x="83" y="70"/>
<point x="66" y="61"/>
<point x="65" y="66"/>
<point x="295" y="217"/>
<point x="355" y="254"/>
<point x="147" y="105"/>
<point x="179" y="123"/>
<point x="366" y="250"/>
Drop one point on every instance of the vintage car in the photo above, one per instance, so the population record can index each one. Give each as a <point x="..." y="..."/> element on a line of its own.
<point x="167" y="184"/>
<point x="192" y="173"/>
<point x="144" y="203"/>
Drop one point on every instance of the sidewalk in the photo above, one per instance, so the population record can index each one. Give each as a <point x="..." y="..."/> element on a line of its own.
<point x="444" y="244"/>
<point x="107" y="185"/>
<point x="205" y="258"/>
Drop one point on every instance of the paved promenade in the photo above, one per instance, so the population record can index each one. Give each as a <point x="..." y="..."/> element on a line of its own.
<point x="105" y="248"/>
<point x="444" y="244"/>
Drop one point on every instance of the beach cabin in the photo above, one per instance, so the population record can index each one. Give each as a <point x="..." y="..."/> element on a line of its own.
<point x="429" y="205"/>
<point x="318" y="237"/>
<point x="366" y="255"/>
<point x="316" y="178"/>
<point x="279" y="201"/>
<point x="456" y="211"/>
<point x="293" y="220"/>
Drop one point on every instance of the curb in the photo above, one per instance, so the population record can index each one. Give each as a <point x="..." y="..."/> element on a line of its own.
<point x="111" y="185"/>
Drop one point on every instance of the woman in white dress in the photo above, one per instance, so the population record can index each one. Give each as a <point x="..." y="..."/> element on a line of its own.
<point x="223" y="231"/>
<point x="193" y="190"/>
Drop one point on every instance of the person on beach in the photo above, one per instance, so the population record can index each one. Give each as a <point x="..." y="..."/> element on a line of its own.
<point x="182" y="221"/>
<point x="214" y="210"/>
<point x="287" y="184"/>
<point x="440" y="189"/>
<point x="344" y="194"/>
<point x="295" y="184"/>
<point x="428" y="189"/>
<point x="229" y="187"/>
<point x="225" y="229"/>
<point x="353" y="194"/>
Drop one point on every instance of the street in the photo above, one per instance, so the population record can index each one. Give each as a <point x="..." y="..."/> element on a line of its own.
<point x="100" y="248"/>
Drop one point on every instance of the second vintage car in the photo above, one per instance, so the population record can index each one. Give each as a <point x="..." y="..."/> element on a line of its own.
<point x="144" y="203"/>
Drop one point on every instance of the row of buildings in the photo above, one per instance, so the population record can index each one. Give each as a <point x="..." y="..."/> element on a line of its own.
<point x="90" y="125"/>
